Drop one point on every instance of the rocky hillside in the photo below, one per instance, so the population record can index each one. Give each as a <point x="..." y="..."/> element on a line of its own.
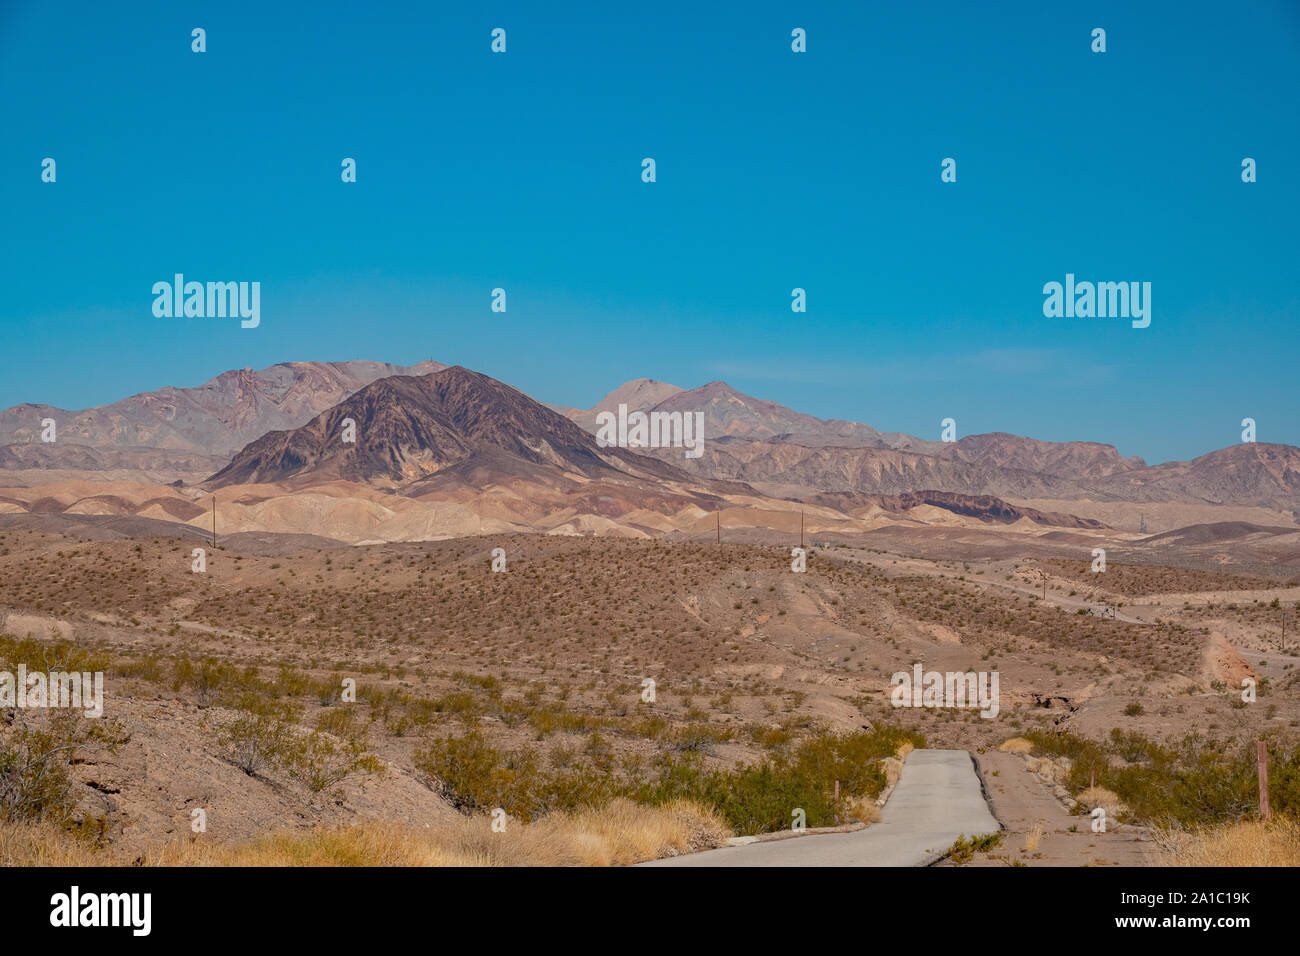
<point x="216" y="418"/>
<point x="411" y="427"/>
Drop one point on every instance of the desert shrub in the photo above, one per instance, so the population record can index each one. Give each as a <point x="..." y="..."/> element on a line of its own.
<point x="328" y="690"/>
<point x="653" y="727"/>
<point x="762" y="797"/>
<point x="768" y="737"/>
<point x="209" y="678"/>
<point x="474" y="777"/>
<point x="341" y="722"/>
<point x="146" y="668"/>
<point x="34" y="762"/>
<point x="759" y="798"/>
<point x="321" y="761"/>
<point x="1133" y="747"/>
<point x="1196" y="781"/>
<point x="261" y="734"/>
<point x="852" y="759"/>
<point x="291" y="682"/>
<point x="34" y="780"/>
<point x="699" y="737"/>
<point x="59" y="655"/>
<point x="963" y="850"/>
<point x="457" y="702"/>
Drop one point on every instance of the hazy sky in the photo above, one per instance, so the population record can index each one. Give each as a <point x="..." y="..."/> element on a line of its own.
<point x="775" y="170"/>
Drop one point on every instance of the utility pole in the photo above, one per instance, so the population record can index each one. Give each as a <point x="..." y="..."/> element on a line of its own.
<point x="1042" y="574"/>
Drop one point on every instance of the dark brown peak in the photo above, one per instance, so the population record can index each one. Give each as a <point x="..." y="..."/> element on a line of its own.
<point x="411" y="426"/>
<point x="459" y="374"/>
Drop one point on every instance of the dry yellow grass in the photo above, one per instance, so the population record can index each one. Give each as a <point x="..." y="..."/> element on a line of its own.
<point x="43" y="844"/>
<point x="621" y="833"/>
<point x="1033" y="837"/>
<point x="1052" y="771"/>
<point x="1016" y="745"/>
<point x="893" y="769"/>
<point x="864" y="810"/>
<point x="1101" y="797"/>
<point x="1250" y="843"/>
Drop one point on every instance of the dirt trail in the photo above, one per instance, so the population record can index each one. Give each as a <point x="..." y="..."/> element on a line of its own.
<point x="1026" y="807"/>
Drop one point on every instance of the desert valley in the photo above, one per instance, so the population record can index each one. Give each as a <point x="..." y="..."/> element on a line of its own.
<point x="473" y="619"/>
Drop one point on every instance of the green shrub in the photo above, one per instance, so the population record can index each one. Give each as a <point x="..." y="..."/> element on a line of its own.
<point x="34" y="762"/>
<point x="261" y="734"/>
<point x="321" y="761"/>
<point x="963" y="850"/>
<point x="1196" y="781"/>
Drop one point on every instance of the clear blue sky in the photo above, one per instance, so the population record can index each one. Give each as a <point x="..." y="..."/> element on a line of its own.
<point x="775" y="170"/>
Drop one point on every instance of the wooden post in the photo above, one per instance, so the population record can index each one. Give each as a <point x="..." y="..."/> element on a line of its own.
<point x="837" y="791"/>
<point x="1042" y="574"/>
<point x="1265" y="813"/>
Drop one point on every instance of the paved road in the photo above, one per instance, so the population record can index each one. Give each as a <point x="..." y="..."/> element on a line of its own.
<point x="938" y="798"/>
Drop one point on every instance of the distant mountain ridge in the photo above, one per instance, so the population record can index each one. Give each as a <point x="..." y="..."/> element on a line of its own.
<point x="409" y="428"/>
<point x="732" y="414"/>
<point x="788" y="452"/>
<point x="210" y="430"/>
<point x="216" y="418"/>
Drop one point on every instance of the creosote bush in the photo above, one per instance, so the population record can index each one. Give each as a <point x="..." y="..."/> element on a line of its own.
<point x="757" y="798"/>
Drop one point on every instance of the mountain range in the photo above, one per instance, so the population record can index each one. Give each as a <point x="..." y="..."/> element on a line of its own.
<point x="414" y="428"/>
<point x="453" y="439"/>
<point x="215" y="419"/>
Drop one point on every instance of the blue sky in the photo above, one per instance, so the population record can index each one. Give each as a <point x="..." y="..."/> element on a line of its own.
<point x="775" y="170"/>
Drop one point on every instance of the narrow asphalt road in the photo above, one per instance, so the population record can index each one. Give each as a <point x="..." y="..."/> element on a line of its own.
<point x="938" y="799"/>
